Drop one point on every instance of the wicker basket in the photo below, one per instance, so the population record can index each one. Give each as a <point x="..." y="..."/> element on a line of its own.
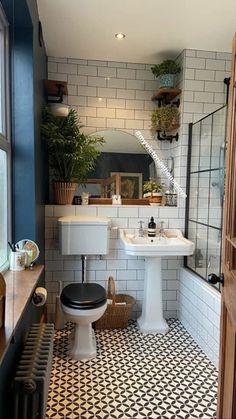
<point x="115" y="316"/>
<point x="64" y="192"/>
<point x="154" y="197"/>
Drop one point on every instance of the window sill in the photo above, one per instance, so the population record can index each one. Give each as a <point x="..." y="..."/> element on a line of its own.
<point x="19" y="289"/>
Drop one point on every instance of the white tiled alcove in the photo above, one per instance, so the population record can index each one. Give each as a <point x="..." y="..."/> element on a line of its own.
<point x="125" y="104"/>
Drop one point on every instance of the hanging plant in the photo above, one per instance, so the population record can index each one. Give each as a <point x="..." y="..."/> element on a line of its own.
<point x="165" y="118"/>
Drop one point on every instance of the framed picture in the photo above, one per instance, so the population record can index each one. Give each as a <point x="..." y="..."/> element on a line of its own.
<point x="131" y="184"/>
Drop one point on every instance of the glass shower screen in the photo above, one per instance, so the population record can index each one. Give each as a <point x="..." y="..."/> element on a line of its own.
<point x="205" y="188"/>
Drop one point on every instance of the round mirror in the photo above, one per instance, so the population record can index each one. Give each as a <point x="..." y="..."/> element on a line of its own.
<point x="120" y="142"/>
<point x="122" y="155"/>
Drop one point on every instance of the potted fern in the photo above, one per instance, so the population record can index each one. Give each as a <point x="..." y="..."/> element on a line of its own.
<point x="166" y="72"/>
<point x="153" y="191"/>
<point x="165" y="118"/>
<point x="72" y="154"/>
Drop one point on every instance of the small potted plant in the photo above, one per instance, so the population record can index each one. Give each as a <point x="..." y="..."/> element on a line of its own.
<point x="153" y="191"/>
<point x="166" y="72"/>
<point x="165" y="118"/>
<point x="72" y="154"/>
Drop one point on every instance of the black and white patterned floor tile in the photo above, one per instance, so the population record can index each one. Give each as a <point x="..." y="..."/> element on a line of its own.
<point x="134" y="376"/>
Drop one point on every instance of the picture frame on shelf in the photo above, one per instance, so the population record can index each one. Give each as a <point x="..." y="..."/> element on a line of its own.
<point x="131" y="184"/>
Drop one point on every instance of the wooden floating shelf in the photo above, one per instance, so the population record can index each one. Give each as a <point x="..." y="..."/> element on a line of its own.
<point x="125" y="201"/>
<point x="166" y="94"/>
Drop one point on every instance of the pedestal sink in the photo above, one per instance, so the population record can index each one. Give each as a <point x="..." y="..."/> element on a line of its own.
<point x="152" y="249"/>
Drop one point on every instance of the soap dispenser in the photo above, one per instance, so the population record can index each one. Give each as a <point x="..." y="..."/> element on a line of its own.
<point x="152" y="228"/>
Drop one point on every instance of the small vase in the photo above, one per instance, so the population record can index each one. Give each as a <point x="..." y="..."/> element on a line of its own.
<point x="167" y="80"/>
<point x="64" y="192"/>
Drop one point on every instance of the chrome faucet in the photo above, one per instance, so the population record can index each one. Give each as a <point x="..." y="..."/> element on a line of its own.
<point x="141" y="230"/>
<point x="161" y="230"/>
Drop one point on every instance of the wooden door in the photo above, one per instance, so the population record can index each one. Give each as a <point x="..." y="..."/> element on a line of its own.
<point x="227" y="372"/>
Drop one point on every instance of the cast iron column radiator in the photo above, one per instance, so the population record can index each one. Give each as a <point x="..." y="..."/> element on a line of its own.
<point x="32" y="377"/>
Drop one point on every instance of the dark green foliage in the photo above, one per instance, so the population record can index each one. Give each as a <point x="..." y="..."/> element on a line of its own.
<point x="72" y="154"/>
<point x="165" y="118"/>
<point x="152" y="186"/>
<point x="166" y="67"/>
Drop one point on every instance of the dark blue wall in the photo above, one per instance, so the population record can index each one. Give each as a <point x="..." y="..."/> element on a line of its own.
<point x="23" y="136"/>
<point x="28" y="70"/>
<point x="40" y="178"/>
<point x="28" y="67"/>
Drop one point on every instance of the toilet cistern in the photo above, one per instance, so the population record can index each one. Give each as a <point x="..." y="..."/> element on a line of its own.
<point x="84" y="235"/>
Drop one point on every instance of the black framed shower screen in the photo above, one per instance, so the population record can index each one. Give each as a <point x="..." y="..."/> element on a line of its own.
<point x="205" y="192"/>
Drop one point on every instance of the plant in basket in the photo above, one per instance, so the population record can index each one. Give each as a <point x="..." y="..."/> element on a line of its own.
<point x="72" y="154"/>
<point x="165" y="118"/>
<point x="153" y="191"/>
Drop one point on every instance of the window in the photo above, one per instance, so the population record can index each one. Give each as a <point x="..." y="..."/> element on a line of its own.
<point x="4" y="142"/>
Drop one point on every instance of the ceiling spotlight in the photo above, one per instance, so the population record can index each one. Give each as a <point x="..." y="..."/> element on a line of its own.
<point x="120" y="35"/>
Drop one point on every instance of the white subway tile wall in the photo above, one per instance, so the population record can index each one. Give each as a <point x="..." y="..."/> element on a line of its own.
<point x="199" y="311"/>
<point x="128" y="271"/>
<point x="110" y="86"/>
<point x="204" y="92"/>
<point x="118" y="96"/>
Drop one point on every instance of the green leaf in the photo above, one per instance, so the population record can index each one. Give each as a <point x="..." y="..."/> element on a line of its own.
<point x="72" y="154"/>
<point x="166" y="67"/>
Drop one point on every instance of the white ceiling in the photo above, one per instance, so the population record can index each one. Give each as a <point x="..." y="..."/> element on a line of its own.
<point x="155" y="29"/>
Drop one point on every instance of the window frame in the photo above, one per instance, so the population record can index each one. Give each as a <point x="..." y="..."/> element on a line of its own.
<point x="5" y="136"/>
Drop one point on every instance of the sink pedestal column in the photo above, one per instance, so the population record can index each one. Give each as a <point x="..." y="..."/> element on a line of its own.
<point x="151" y="319"/>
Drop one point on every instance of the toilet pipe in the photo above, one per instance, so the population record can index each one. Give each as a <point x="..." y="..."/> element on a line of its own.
<point x="59" y="317"/>
<point x="84" y="265"/>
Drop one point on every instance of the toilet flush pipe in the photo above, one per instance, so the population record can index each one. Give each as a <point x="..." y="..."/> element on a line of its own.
<point x="84" y="265"/>
<point x="59" y="316"/>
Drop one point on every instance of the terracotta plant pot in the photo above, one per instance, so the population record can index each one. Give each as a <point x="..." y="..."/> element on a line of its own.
<point x="64" y="192"/>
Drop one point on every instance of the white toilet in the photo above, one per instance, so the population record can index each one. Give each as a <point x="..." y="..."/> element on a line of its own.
<point x="83" y="303"/>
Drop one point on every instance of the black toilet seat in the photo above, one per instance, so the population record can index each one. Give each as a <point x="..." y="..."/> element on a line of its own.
<point x="83" y="296"/>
